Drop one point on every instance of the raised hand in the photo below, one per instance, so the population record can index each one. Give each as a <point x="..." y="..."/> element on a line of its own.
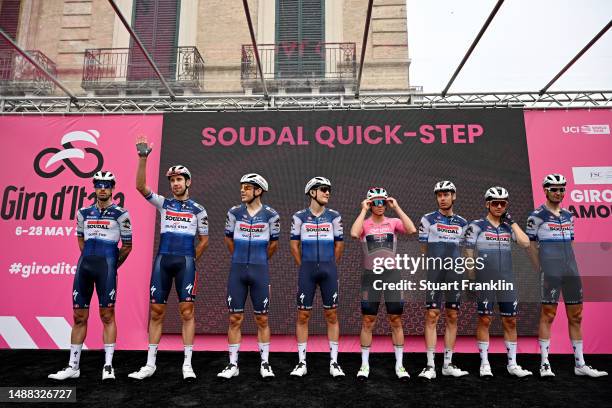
<point x="366" y="204"/>
<point x="143" y="147"/>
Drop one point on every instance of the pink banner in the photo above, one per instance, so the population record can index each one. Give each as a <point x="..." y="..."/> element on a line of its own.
<point x="45" y="177"/>
<point x="578" y="144"/>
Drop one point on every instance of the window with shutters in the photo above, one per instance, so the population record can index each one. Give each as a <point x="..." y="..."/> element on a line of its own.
<point x="156" y="24"/>
<point x="9" y="19"/>
<point x="300" y="38"/>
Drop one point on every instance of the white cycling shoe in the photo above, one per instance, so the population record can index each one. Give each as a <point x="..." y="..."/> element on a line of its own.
<point x="65" y="374"/>
<point x="518" y="371"/>
<point x="453" y="371"/>
<point x="300" y="370"/>
<point x="589" y="371"/>
<point x="144" y="372"/>
<point x="231" y="370"/>
<point x="108" y="373"/>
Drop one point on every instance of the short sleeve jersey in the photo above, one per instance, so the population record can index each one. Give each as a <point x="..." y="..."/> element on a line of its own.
<point x="443" y="235"/>
<point x="317" y="234"/>
<point x="554" y="233"/>
<point x="251" y="235"/>
<point x="493" y="245"/>
<point x="180" y="222"/>
<point x="379" y="239"/>
<point x="103" y="228"/>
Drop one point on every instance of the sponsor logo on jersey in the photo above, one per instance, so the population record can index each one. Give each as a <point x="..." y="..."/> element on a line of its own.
<point x="252" y="228"/>
<point x="98" y="224"/>
<point x="448" y="229"/>
<point x="555" y="227"/>
<point x="317" y="228"/>
<point x="180" y="217"/>
<point x="503" y="237"/>
<point x="530" y="223"/>
<point x="469" y="232"/>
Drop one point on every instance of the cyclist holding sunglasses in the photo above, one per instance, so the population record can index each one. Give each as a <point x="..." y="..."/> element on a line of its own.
<point x="379" y="237"/>
<point x="317" y="245"/>
<point x="492" y="238"/>
<point x="440" y="235"/>
<point x="551" y="231"/>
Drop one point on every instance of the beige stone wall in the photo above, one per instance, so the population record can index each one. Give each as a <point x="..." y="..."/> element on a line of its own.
<point x="63" y="29"/>
<point x="222" y="29"/>
<point x="386" y="59"/>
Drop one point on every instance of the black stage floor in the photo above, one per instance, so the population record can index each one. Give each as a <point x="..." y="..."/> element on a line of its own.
<point x="317" y="389"/>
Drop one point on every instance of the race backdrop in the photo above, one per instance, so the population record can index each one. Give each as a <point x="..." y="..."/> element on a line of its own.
<point x="407" y="152"/>
<point x="49" y="161"/>
<point x="46" y="177"/>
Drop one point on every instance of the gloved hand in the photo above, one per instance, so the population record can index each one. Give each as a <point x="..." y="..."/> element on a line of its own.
<point x="507" y="218"/>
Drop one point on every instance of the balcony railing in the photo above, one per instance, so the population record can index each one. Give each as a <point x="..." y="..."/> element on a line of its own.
<point x="127" y="69"/>
<point x="304" y="64"/>
<point x="19" y="76"/>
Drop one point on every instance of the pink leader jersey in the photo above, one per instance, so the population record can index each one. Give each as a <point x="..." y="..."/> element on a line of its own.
<point x="380" y="239"/>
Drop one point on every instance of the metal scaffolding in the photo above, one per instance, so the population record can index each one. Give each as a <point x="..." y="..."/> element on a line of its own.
<point x="240" y="102"/>
<point x="412" y="99"/>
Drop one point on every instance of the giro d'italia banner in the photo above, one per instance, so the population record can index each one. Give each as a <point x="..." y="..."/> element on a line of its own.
<point x="406" y="152"/>
<point x="578" y="144"/>
<point x="45" y="177"/>
<point x="48" y="162"/>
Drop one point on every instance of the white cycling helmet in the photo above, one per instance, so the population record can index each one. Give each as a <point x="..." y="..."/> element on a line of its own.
<point x="178" y="170"/>
<point x="316" y="182"/>
<point x="445" y="185"/>
<point x="554" y="180"/>
<point x="104" y="176"/>
<point x="256" y="180"/>
<point x="496" y="193"/>
<point x="377" y="193"/>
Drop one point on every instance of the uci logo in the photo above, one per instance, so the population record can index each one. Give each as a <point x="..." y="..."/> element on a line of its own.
<point x="70" y="152"/>
<point x="571" y="129"/>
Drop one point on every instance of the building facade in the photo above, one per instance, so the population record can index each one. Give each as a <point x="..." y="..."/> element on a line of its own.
<point x="204" y="46"/>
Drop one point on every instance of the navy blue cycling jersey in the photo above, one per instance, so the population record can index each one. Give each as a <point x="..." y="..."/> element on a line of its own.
<point x="317" y="234"/>
<point x="494" y="246"/>
<point x="180" y="222"/>
<point x="102" y="228"/>
<point x="554" y="233"/>
<point x="443" y="235"/>
<point x="251" y="235"/>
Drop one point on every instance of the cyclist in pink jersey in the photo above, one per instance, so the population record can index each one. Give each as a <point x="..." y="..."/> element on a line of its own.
<point x="378" y="235"/>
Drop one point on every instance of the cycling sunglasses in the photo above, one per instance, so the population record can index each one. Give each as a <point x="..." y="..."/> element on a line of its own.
<point x="379" y="203"/>
<point x="556" y="189"/>
<point x="324" y="189"/>
<point x="499" y="203"/>
<point x="103" y="184"/>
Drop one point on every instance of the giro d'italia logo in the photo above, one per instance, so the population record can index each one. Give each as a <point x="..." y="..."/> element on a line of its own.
<point x="45" y="161"/>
